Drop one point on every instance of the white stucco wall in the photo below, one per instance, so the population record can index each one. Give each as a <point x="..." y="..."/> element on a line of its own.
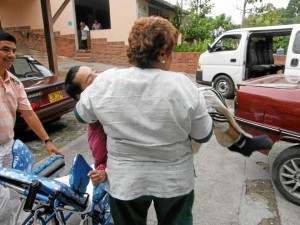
<point x="66" y="21"/>
<point x="15" y="13"/>
<point x="122" y="14"/>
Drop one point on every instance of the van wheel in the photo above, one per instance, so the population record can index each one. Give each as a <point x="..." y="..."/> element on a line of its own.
<point x="286" y="174"/>
<point x="224" y="85"/>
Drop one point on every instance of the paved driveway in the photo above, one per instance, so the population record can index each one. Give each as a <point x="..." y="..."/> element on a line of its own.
<point x="229" y="190"/>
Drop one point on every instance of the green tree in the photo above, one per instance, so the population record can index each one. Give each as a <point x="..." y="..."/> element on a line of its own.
<point x="267" y="14"/>
<point x="297" y="18"/>
<point x="293" y="8"/>
<point x="178" y="17"/>
<point x="221" y="23"/>
<point x="282" y="17"/>
<point x="290" y="15"/>
<point x="201" y="7"/>
<point x="195" y="28"/>
<point x="196" y="25"/>
<point x="263" y="15"/>
<point x="244" y="10"/>
<point x="199" y="26"/>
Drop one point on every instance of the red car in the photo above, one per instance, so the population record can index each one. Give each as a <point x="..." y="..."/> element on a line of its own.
<point x="271" y="105"/>
<point x="44" y="89"/>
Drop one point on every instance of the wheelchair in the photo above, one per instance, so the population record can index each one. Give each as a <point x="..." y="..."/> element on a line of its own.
<point x="51" y="200"/>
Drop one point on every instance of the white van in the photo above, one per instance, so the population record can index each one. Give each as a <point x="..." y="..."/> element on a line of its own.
<point x="246" y="53"/>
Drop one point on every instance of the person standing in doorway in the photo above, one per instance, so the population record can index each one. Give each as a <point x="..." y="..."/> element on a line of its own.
<point x="96" y="25"/>
<point x="84" y="35"/>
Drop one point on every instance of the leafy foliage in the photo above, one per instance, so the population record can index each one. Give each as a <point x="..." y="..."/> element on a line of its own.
<point x="267" y="14"/>
<point x="293" y="8"/>
<point x="282" y="17"/>
<point x="198" y="28"/>
<point x="178" y="17"/>
<point x="200" y="47"/>
<point x="280" y="41"/>
<point x="263" y="15"/>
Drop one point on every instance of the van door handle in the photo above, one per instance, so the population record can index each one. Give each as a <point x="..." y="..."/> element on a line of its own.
<point x="232" y="60"/>
<point x="294" y="62"/>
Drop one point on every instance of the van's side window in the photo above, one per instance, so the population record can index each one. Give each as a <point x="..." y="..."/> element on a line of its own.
<point x="296" y="46"/>
<point x="227" y="43"/>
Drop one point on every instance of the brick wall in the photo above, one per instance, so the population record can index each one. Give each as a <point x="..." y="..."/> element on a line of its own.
<point x="279" y="59"/>
<point x="35" y="39"/>
<point x="115" y="53"/>
<point x="185" y="61"/>
<point x="109" y="52"/>
<point x="103" y="51"/>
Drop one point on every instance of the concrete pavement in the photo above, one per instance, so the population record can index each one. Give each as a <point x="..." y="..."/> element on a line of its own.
<point x="229" y="189"/>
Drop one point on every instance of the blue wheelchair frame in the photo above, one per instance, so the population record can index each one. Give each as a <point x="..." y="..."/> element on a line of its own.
<point x="50" y="200"/>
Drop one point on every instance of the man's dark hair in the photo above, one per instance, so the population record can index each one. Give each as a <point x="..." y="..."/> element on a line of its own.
<point x="72" y="88"/>
<point x="4" y="36"/>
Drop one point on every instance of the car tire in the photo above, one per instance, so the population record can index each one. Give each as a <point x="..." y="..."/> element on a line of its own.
<point x="224" y="85"/>
<point x="286" y="174"/>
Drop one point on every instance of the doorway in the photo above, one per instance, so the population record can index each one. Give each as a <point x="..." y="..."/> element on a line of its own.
<point x="89" y="10"/>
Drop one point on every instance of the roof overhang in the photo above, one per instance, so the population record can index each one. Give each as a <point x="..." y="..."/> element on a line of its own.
<point x="163" y="4"/>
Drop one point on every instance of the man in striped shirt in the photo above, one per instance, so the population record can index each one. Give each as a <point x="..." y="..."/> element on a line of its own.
<point x="13" y="98"/>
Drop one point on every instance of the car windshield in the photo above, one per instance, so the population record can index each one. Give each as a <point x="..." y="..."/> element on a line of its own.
<point x="25" y="68"/>
<point x="45" y="71"/>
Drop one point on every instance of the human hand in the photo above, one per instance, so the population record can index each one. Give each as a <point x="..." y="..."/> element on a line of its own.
<point x="51" y="149"/>
<point x="97" y="176"/>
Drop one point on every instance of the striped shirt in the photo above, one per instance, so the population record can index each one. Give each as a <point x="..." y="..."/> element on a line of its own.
<point x="12" y="98"/>
<point x="149" y="116"/>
